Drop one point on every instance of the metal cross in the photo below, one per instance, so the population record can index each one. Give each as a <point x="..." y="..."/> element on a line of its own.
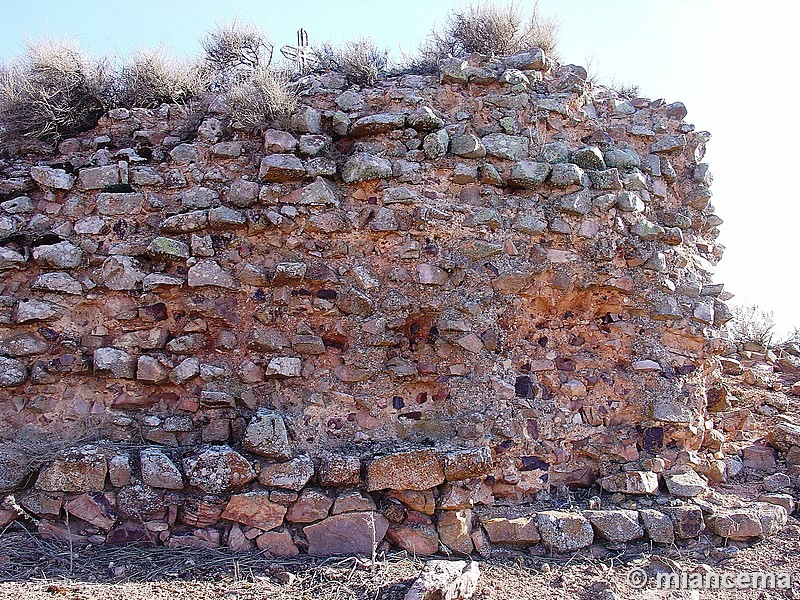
<point x="299" y="54"/>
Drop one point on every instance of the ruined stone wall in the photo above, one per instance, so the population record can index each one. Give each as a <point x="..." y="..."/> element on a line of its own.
<point x="496" y="276"/>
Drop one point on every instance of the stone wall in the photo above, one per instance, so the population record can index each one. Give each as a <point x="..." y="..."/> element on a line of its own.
<point x="442" y="292"/>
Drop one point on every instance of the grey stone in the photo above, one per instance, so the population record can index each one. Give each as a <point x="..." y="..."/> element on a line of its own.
<point x="146" y="176"/>
<point x="607" y="179"/>
<point x="63" y="255"/>
<point x="668" y="143"/>
<point x="119" y="204"/>
<point x="468" y="146"/>
<point x="445" y="580"/>
<point x="622" y="159"/>
<point x="530" y="224"/>
<point x="424" y="119"/>
<point x="320" y="192"/>
<point x="436" y="144"/>
<point x="14" y="464"/>
<point x="114" y="363"/>
<point x="10" y="259"/>
<point x="183" y="154"/>
<point x="97" y="178"/>
<point x="58" y="282"/>
<point x="380" y="123"/>
<point x="759" y="520"/>
<point x="564" y="531"/>
<point x="509" y="147"/>
<point x="279" y="142"/>
<point x="280" y="168"/>
<point x="266" y="435"/>
<point x="658" y="526"/>
<point x="311" y="145"/>
<point x="528" y="174"/>
<point x="306" y="120"/>
<point x="168" y="247"/>
<point x="565" y="174"/>
<point x="242" y="193"/>
<point x="589" y="158"/>
<point x="454" y="70"/>
<point x="121" y="273"/>
<point x="283" y="367"/>
<point x="554" y="152"/>
<point x="291" y="475"/>
<point x="158" y="471"/>
<point x="198" y="197"/>
<point x="630" y="202"/>
<point x="223" y="217"/>
<point x="91" y="225"/>
<point x="363" y="166"/>
<point x="579" y="203"/>
<point x="616" y="525"/>
<point x="186" y="222"/>
<point x="23" y="344"/>
<point x="529" y="60"/>
<point x="18" y="206"/>
<point x="186" y="370"/>
<point x="30" y="309"/>
<point x="350" y="101"/>
<point x="57" y="179"/>
<point x="686" y="484"/>
<point x="209" y="273"/>
<point x="12" y="372"/>
<point x="218" y="469"/>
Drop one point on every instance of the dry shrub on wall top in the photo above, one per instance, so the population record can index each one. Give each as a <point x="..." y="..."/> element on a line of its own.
<point x="235" y="51"/>
<point x="362" y="62"/>
<point x="498" y="28"/>
<point x="751" y="325"/>
<point x="53" y="90"/>
<point x="264" y="99"/>
<point x="152" y="77"/>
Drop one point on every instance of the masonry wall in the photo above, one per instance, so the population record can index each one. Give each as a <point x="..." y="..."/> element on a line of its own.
<point x="472" y="289"/>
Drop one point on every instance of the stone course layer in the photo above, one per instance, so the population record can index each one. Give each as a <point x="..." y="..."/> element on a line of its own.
<point x="440" y="294"/>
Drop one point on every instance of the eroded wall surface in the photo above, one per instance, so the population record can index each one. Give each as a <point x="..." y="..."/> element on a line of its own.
<point x="498" y="276"/>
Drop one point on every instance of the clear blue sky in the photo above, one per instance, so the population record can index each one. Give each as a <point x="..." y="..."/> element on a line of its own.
<point x="730" y="61"/>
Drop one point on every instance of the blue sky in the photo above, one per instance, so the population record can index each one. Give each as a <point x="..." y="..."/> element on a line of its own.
<point x="730" y="61"/>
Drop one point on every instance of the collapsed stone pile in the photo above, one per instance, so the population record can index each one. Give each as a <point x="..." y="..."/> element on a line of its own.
<point x="414" y="304"/>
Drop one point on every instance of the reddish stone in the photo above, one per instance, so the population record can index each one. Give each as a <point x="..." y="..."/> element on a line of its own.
<point x="519" y="531"/>
<point x="277" y="544"/>
<point x="201" y="511"/>
<point x="423" y="502"/>
<point x="414" y="470"/>
<point x="313" y="505"/>
<point x="416" y="538"/>
<point x="128" y="534"/>
<point x="346" y="534"/>
<point x="199" y="539"/>
<point x="255" y="510"/>
<point x="97" y="509"/>
<point x="466" y="464"/>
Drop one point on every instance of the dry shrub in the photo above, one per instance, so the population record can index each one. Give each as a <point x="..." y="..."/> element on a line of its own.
<point x="235" y="50"/>
<point x="498" y="28"/>
<point x="152" y="77"/>
<point x="626" y="90"/>
<point x="53" y="90"/>
<point x="362" y="62"/>
<point x="751" y="324"/>
<point x="264" y="99"/>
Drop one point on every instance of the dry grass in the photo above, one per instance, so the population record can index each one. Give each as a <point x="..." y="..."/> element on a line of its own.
<point x="152" y="77"/>
<point x="488" y="27"/>
<point x="362" y="62"/>
<point x="264" y="99"/>
<point x="53" y="90"/>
